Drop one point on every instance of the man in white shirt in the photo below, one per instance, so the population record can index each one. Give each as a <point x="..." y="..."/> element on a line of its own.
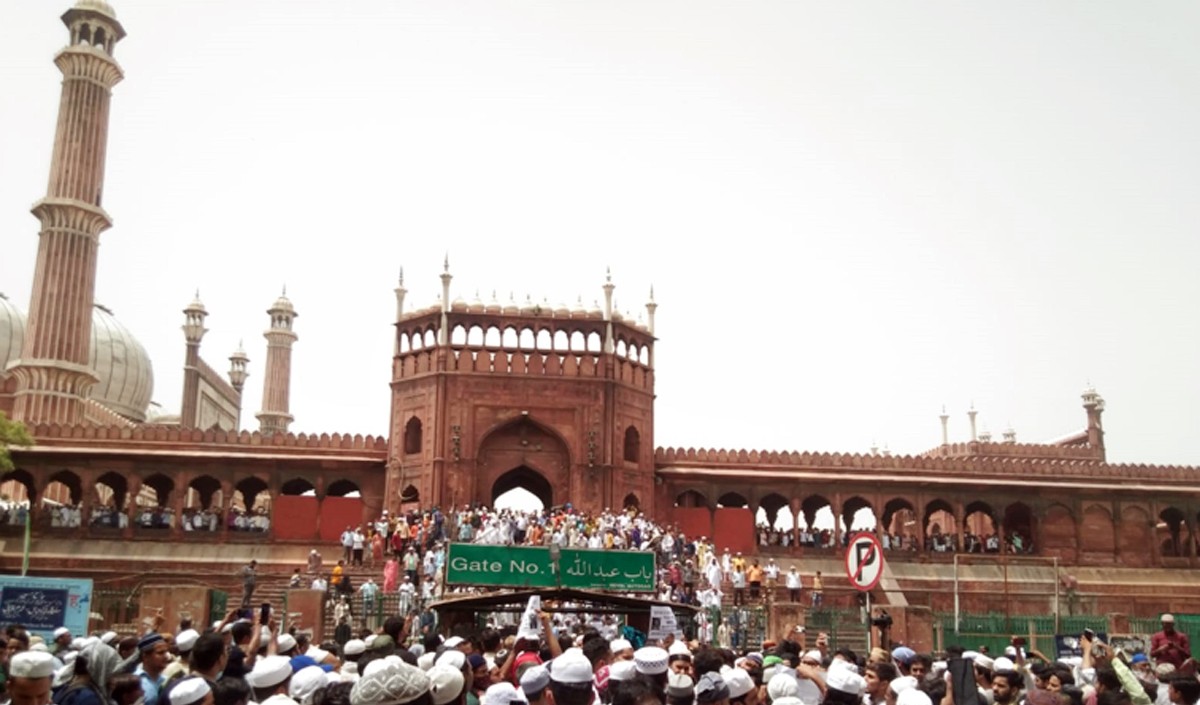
<point x="772" y="574"/>
<point x="793" y="583"/>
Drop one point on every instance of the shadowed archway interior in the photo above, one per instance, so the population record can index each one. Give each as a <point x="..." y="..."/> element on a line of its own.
<point x="525" y="478"/>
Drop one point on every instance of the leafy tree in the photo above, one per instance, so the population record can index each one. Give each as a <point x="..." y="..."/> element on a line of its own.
<point x="12" y="433"/>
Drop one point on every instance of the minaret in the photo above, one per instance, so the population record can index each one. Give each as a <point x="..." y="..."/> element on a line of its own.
<point x="53" y="375"/>
<point x="945" y="427"/>
<point x="1093" y="403"/>
<point x="237" y="377"/>
<point x="651" y="308"/>
<point x="443" y="334"/>
<point x="971" y="414"/>
<point x="274" y="418"/>
<point x="193" y="332"/>
<point x="608" y="311"/>
<point x="400" y="292"/>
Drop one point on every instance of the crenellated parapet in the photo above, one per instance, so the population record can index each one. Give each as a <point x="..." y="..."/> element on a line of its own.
<point x="967" y="467"/>
<point x="97" y="437"/>
<point x="1015" y="450"/>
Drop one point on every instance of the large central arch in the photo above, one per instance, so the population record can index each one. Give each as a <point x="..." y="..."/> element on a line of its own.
<point x="527" y="479"/>
<point x="523" y="453"/>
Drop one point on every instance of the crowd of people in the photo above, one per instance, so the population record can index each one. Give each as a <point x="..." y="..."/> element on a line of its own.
<point x="935" y="542"/>
<point x="567" y="658"/>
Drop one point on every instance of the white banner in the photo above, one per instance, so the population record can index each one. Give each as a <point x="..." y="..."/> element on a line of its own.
<point x="662" y="623"/>
<point x="531" y="621"/>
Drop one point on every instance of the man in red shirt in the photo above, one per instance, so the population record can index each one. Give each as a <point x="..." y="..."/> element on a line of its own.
<point x="1170" y="646"/>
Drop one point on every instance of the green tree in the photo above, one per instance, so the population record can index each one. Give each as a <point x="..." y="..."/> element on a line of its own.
<point x="12" y="433"/>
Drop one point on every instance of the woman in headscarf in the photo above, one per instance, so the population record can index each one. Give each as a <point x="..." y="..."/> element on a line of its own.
<point x="93" y="667"/>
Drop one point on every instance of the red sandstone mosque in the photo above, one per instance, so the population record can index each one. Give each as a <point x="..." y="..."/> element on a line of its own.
<point x="489" y="397"/>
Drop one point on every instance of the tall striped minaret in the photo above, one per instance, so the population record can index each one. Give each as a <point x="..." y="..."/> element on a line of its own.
<point x="53" y="373"/>
<point x="274" y="417"/>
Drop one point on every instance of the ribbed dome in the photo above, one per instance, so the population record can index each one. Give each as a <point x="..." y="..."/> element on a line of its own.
<point x="121" y="363"/>
<point x="98" y="6"/>
<point x="12" y="332"/>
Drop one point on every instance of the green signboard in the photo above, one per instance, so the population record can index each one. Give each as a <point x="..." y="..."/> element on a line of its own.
<point x="522" y="566"/>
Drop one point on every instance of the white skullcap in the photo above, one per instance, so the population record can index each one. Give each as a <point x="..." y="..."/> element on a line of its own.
<point x="108" y="637"/>
<point x="304" y="683"/>
<point x="739" y="683"/>
<point x="534" y="680"/>
<point x="912" y="696"/>
<point x="389" y="683"/>
<point x="813" y="655"/>
<point x="61" y="631"/>
<point x="985" y="662"/>
<point x="622" y="671"/>
<point x="445" y="683"/>
<point x="1003" y="663"/>
<point x="571" y="667"/>
<point x="424" y="661"/>
<point x="354" y="647"/>
<point x="285" y="643"/>
<point x="453" y="658"/>
<point x="269" y="672"/>
<point x="502" y="693"/>
<point x="841" y="677"/>
<point x="903" y="683"/>
<point x="620" y="645"/>
<point x="782" y="685"/>
<point x="317" y="654"/>
<point x="78" y="643"/>
<point x="186" y="639"/>
<point x="452" y="642"/>
<point x="650" y="660"/>
<point x="189" y="690"/>
<point x="678" y="648"/>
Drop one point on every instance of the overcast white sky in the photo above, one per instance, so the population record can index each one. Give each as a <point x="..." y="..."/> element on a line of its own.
<point x="852" y="213"/>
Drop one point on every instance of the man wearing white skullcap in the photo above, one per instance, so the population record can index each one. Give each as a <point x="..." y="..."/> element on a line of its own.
<point x="191" y="691"/>
<point x="571" y="679"/>
<point x="62" y="640"/>
<point x="445" y="683"/>
<point x="305" y="683"/>
<point x="534" y="683"/>
<point x="270" y="677"/>
<point x="622" y="650"/>
<point x="502" y="693"/>
<point x="740" y="684"/>
<point x="185" y="641"/>
<point x="29" y="674"/>
<point x="384" y="682"/>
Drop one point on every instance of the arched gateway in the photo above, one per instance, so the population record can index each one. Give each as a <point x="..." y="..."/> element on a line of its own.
<point x="523" y="453"/>
<point x="527" y="479"/>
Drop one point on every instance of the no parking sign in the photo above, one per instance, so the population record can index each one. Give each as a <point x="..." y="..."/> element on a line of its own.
<point x="864" y="561"/>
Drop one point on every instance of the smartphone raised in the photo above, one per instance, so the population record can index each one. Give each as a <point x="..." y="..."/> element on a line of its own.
<point x="264" y="613"/>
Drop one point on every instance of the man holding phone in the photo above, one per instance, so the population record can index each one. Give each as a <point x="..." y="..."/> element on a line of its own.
<point x="1170" y="646"/>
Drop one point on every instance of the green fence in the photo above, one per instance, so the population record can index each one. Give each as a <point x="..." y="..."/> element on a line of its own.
<point x="995" y="631"/>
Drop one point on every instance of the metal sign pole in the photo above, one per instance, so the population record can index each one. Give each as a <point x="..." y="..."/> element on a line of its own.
<point x="868" y="622"/>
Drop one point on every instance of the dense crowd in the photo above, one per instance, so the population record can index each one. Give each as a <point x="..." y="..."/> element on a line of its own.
<point x="567" y="658"/>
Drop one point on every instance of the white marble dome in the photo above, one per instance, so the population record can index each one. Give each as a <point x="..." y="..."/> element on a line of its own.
<point x="119" y="360"/>
<point x="97" y="5"/>
<point x="12" y="332"/>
